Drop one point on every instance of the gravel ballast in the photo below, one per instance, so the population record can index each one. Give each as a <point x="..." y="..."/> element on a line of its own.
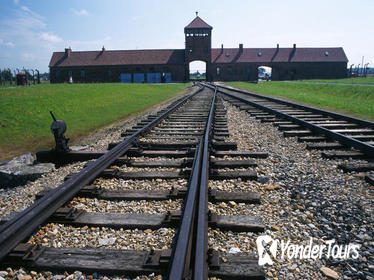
<point x="303" y="196"/>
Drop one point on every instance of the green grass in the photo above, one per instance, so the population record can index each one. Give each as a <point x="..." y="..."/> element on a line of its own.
<point x="360" y="80"/>
<point x="357" y="101"/>
<point x="24" y="111"/>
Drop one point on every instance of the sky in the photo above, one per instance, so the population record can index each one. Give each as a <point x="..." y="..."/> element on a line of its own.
<point x="31" y="30"/>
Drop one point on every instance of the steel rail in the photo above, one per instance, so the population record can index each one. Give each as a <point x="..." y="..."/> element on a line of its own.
<point x="343" y="139"/>
<point x="201" y="252"/>
<point x="303" y="107"/>
<point x="184" y="248"/>
<point x="181" y="254"/>
<point x="26" y="222"/>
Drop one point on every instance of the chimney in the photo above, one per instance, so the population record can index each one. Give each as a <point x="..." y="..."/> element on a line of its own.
<point x="67" y="52"/>
<point x="294" y="46"/>
<point x="277" y="46"/>
<point x="240" y="47"/>
<point x="103" y="49"/>
<point x="222" y="48"/>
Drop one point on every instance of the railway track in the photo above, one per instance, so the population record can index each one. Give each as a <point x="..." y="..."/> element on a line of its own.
<point x="337" y="136"/>
<point x="185" y="143"/>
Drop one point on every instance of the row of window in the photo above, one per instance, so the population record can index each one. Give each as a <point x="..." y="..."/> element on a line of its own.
<point x="230" y="70"/>
<point x="110" y="73"/>
<point x="197" y="34"/>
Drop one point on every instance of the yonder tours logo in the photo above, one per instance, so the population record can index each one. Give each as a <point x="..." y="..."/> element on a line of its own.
<point x="268" y="247"/>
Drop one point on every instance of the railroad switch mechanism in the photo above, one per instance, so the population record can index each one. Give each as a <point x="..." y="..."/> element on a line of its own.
<point x="58" y="128"/>
<point x="157" y="259"/>
<point x="25" y="252"/>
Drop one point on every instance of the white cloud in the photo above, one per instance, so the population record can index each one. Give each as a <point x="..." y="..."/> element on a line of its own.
<point x="9" y="44"/>
<point x="50" y="37"/>
<point x="82" y="12"/>
<point x="26" y="39"/>
<point x="16" y="2"/>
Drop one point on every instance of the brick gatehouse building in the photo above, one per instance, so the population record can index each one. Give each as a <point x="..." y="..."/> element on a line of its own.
<point x="222" y="64"/>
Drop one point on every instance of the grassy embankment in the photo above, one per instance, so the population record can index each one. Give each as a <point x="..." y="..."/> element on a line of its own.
<point x="357" y="101"/>
<point x="359" y="80"/>
<point x="24" y="111"/>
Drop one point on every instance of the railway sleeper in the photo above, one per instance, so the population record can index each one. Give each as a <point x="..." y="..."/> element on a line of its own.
<point x="215" y="174"/>
<point x="326" y="146"/>
<point x="369" y="177"/>
<point x="239" y="154"/>
<point x="357" y="167"/>
<point x="214" y="195"/>
<point x="182" y="163"/>
<point x="126" y="262"/>
<point x="81" y="218"/>
<point x="218" y="145"/>
<point x="299" y="133"/>
<point x="311" y="139"/>
<point x="343" y="155"/>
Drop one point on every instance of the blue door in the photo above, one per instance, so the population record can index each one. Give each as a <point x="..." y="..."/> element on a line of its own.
<point x="153" y="77"/>
<point x="125" y="78"/>
<point x="168" y="77"/>
<point x="139" y="78"/>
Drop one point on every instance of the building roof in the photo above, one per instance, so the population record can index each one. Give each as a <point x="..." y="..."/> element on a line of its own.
<point x="198" y="23"/>
<point x="120" y="57"/>
<point x="267" y="55"/>
<point x="228" y="55"/>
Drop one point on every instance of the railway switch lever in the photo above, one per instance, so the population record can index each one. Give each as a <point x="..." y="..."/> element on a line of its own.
<point x="58" y="128"/>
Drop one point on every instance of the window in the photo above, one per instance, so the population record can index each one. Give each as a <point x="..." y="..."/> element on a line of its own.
<point x="218" y="71"/>
<point x="227" y="54"/>
<point x="83" y="73"/>
<point x="326" y="53"/>
<point x="70" y="73"/>
<point x="109" y="73"/>
<point x="229" y="70"/>
<point x="57" y="73"/>
<point x="259" y="53"/>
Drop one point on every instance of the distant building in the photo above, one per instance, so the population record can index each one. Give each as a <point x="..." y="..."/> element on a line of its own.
<point x="222" y="64"/>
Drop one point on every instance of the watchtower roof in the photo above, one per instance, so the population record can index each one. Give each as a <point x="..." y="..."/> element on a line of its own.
<point x="198" y="23"/>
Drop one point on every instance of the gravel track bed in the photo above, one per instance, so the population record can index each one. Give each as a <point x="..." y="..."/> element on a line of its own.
<point x="234" y="185"/>
<point x="141" y="206"/>
<point x="156" y="184"/>
<point x="304" y="196"/>
<point x="19" y="198"/>
<point x="64" y="236"/>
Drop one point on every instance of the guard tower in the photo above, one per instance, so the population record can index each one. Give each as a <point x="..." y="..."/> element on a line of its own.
<point x="198" y="44"/>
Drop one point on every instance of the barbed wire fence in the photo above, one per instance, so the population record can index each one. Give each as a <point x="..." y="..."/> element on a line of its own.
<point x="9" y="76"/>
